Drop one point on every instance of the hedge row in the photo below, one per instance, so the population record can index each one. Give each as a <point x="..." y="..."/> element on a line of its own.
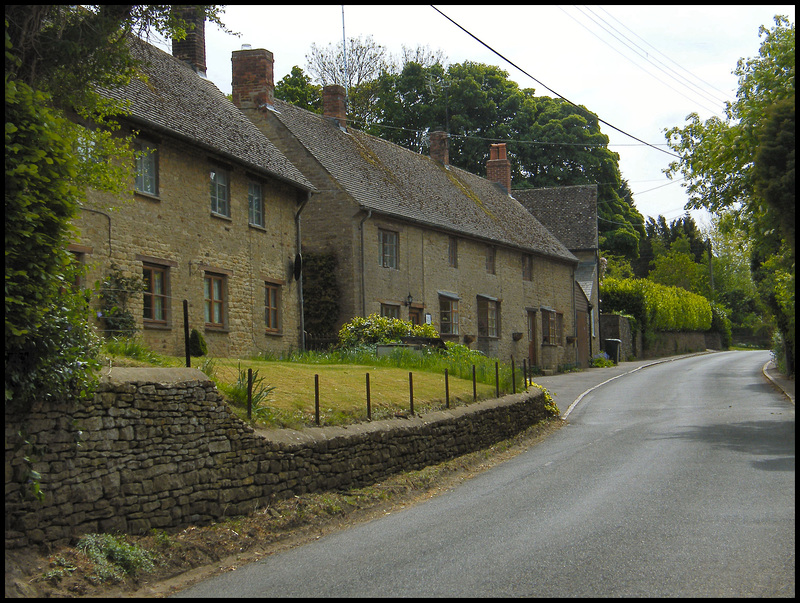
<point x="656" y="307"/>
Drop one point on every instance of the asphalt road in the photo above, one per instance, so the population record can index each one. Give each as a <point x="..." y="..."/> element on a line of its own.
<point x="673" y="481"/>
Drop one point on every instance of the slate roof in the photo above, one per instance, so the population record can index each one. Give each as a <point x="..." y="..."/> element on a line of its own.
<point x="388" y="179"/>
<point x="569" y="212"/>
<point x="177" y="101"/>
<point x="586" y="276"/>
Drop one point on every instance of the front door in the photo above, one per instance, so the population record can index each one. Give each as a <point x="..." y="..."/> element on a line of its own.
<point x="415" y="316"/>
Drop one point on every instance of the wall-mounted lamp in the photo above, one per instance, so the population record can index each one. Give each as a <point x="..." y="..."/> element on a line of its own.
<point x="409" y="299"/>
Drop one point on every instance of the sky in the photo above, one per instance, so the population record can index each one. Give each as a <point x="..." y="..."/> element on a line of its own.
<point x="642" y="69"/>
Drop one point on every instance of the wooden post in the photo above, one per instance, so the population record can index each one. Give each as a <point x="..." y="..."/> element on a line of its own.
<point x="249" y="394"/>
<point x="369" y="403"/>
<point x="186" y="332"/>
<point x="411" y="391"/>
<point x="316" y="399"/>
<point x="446" y="389"/>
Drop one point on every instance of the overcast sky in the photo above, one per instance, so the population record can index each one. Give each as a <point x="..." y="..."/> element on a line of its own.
<point x="640" y="68"/>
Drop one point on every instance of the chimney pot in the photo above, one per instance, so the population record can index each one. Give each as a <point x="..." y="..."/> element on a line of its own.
<point x="498" y="168"/>
<point x="440" y="143"/>
<point x="334" y="104"/>
<point x="192" y="49"/>
<point x="253" y="80"/>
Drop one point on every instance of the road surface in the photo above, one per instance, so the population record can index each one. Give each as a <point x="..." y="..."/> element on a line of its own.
<point x="673" y="481"/>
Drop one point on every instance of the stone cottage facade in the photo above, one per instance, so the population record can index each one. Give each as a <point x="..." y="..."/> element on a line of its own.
<point x="213" y="217"/>
<point x="570" y="213"/>
<point x="416" y="238"/>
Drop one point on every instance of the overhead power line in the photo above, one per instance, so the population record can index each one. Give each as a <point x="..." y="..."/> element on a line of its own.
<point x="477" y="39"/>
<point x="726" y="96"/>
<point x="640" y="53"/>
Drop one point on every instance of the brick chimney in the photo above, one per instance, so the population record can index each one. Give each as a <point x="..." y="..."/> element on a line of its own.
<point x="192" y="49"/>
<point x="334" y="104"/>
<point x="253" y="82"/>
<point x="440" y="147"/>
<point x="498" y="168"/>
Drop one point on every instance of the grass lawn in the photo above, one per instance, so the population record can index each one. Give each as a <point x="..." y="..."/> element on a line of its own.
<point x="289" y="387"/>
<point x="342" y="389"/>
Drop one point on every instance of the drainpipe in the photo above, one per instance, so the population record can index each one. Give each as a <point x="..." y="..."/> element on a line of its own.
<point x="300" y="277"/>
<point x="363" y="262"/>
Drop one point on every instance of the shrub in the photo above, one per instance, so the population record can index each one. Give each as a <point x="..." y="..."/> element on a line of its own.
<point x="113" y="557"/>
<point x="197" y="344"/>
<point x="380" y="329"/>
<point x="656" y="307"/>
<point x="720" y="323"/>
<point x="601" y="360"/>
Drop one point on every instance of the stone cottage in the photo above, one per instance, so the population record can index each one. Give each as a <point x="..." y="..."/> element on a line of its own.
<point x="213" y="217"/>
<point x="415" y="237"/>
<point x="570" y="213"/>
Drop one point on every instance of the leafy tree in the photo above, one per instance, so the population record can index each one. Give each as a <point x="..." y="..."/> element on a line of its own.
<point x="676" y="267"/>
<point x="774" y="167"/>
<point x="50" y="160"/>
<point x="297" y="89"/>
<point x="659" y="236"/>
<point x="717" y="161"/>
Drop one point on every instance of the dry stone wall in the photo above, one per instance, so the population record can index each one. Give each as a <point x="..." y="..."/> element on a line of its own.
<point x="158" y="448"/>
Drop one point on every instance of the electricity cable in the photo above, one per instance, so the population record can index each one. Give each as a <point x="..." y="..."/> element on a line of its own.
<point x="547" y="87"/>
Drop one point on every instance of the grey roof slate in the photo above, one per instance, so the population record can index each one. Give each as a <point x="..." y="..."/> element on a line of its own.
<point x="586" y="276"/>
<point x="386" y="178"/>
<point x="177" y="101"/>
<point x="569" y="212"/>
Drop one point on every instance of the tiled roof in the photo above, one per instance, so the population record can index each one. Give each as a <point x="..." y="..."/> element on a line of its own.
<point x="177" y="101"/>
<point x="569" y="212"/>
<point x="386" y="178"/>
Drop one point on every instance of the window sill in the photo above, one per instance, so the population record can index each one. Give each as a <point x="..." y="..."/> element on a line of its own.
<point x="216" y="329"/>
<point x="221" y="217"/>
<point x="148" y="196"/>
<point x="273" y="333"/>
<point x="157" y="326"/>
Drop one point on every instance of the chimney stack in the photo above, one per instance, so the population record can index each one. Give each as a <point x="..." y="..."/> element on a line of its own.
<point x="253" y="81"/>
<point x="192" y="49"/>
<point x="334" y="104"/>
<point x="440" y="147"/>
<point x="498" y="168"/>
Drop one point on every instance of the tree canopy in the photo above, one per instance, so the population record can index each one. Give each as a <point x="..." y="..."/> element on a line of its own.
<point x="60" y="139"/>
<point x="743" y="167"/>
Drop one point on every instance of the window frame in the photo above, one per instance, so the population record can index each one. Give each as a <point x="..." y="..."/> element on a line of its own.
<point x="552" y="327"/>
<point x="388" y="249"/>
<point x="255" y="205"/>
<point x="151" y="320"/>
<point x="527" y="267"/>
<point x="146" y="151"/>
<point x="488" y="317"/>
<point x="452" y="252"/>
<point x="211" y="302"/>
<point x="491" y="259"/>
<point x="273" y="317"/>
<point x="448" y="327"/>
<point x="390" y="310"/>
<point x="220" y="207"/>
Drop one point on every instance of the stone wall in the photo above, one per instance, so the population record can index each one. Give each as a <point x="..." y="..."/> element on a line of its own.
<point x="653" y="345"/>
<point x="158" y="448"/>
